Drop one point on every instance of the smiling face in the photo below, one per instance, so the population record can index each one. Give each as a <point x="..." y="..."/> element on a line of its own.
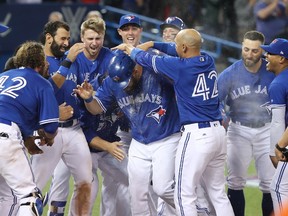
<point x="169" y="34"/>
<point x="131" y="34"/>
<point x="93" y="43"/>
<point x="60" y="42"/>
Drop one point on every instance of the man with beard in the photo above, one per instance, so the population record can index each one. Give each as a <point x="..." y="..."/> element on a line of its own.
<point x="99" y="131"/>
<point x="27" y="104"/>
<point x="70" y="143"/>
<point x="148" y="102"/>
<point x="243" y="87"/>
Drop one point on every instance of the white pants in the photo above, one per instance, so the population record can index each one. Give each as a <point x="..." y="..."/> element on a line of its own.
<point x="201" y="154"/>
<point x="243" y="144"/>
<point x="16" y="172"/>
<point x="279" y="188"/>
<point x="154" y="161"/>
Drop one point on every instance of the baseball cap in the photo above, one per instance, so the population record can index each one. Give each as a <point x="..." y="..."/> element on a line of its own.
<point x="129" y="19"/>
<point x="3" y="28"/>
<point x="120" y="68"/>
<point x="174" y="22"/>
<point x="278" y="46"/>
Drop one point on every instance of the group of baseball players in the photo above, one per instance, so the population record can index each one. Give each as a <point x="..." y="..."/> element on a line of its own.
<point x="150" y="116"/>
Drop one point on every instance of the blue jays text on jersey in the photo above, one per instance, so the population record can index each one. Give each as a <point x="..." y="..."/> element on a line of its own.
<point x="195" y="82"/>
<point x="28" y="100"/>
<point x="237" y="86"/>
<point x="152" y="111"/>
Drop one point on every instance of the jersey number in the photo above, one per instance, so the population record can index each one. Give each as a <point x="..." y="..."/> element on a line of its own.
<point x="11" y="91"/>
<point x="201" y="88"/>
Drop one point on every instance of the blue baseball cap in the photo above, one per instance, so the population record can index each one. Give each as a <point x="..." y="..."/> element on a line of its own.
<point x="3" y="28"/>
<point x="278" y="46"/>
<point x="174" y="22"/>
<point x="129" y="19"/>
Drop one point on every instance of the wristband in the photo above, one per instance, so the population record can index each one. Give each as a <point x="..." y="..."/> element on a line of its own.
<point x="66" y="63"/>
<point x="279" y="148"/>
<point x="88" y="100"/>
<point x="63" y="71"/>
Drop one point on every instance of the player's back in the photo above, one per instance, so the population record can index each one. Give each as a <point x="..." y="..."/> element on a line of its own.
<point x="23" y="93"/>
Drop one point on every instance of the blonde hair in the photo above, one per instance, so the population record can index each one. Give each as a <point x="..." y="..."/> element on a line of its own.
<point x="96" y="24"/>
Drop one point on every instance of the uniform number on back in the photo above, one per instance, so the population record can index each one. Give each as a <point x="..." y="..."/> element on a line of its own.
<point x="11" y="91"/>
<point x="201" y="88"/>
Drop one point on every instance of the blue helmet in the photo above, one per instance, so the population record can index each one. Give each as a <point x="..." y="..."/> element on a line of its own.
<point x="174" y="22"/>
<point x="120" y="68"/>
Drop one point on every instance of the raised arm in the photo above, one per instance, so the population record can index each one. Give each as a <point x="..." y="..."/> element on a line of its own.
<point x="85" y="91"/>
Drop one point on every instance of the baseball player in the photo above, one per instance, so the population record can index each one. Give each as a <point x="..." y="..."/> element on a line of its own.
<point x="170" y="28"/>
<point x="194" y="77"/>
<point x="96" y="130"/>
<point x="276" y="56"/>
<point x="243" y="87"/>
<point x="149" y="103"/>
<point x="19" y="117"/>
<point x="71" y="145"/>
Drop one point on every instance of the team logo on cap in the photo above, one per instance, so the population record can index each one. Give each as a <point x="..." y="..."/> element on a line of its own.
<point x="129" y="18"/>
<point x="157" y="113"/>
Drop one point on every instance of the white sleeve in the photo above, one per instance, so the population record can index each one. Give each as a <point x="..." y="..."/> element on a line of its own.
<point x="277" y="126"/>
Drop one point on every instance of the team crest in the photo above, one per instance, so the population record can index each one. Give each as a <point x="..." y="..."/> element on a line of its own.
<point x="157" y="113"/>
<point x="129" y="18"/>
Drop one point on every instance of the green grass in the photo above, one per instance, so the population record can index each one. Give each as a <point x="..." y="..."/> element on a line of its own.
<point x="253" y="197"/>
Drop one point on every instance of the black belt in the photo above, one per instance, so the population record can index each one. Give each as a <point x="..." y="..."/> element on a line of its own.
<point x="251" y="125"/>
<point x="68" y="123"/>
<point x="4" y="121"/>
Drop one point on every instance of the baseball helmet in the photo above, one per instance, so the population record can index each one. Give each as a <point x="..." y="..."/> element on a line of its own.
<point x="120" y="68"/>
<point x="174" y="22"/>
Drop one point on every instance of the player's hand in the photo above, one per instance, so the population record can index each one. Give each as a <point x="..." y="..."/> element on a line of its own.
<point x="279" y="155"/>
<point x="31" y="145"/>
<point x="145" y="46"/>
<point x="75" y="50"/>
<point x="44" y="140"/>
<point x="116" y="151"/>
<point x="127" y="48"/>
<point x="85" y="91"/>
<point x="65" y="112"/>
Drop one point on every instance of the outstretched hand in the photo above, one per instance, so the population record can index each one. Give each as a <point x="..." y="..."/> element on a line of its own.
<point x="85" y="91"/>
<point x="127" y="48"/>
<point x="116" y="151"/>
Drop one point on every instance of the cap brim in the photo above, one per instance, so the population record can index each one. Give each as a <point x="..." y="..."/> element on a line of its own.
<point x="267" y="48"/>
<point x="3" y="28"/>
<point x="163" y="26"/>
<point x="126" y="24"/>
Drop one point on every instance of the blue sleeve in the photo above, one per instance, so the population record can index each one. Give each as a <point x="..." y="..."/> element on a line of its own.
<point x="165" y="64"/>
<point x="168" y="48"/>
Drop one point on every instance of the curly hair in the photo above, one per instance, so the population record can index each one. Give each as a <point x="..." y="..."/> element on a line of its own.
<point x="30" y="54"/>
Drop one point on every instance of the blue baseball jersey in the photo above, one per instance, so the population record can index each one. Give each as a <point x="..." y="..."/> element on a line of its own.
<point x="278" y="92"/>
<point x="28" y="100"/>
<point x="65" y="93"/>
<point x="246" y="93"/>
<point x="151" y="109"/>
<point x="195" y="83"/>
<point x="102" y="125"/>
